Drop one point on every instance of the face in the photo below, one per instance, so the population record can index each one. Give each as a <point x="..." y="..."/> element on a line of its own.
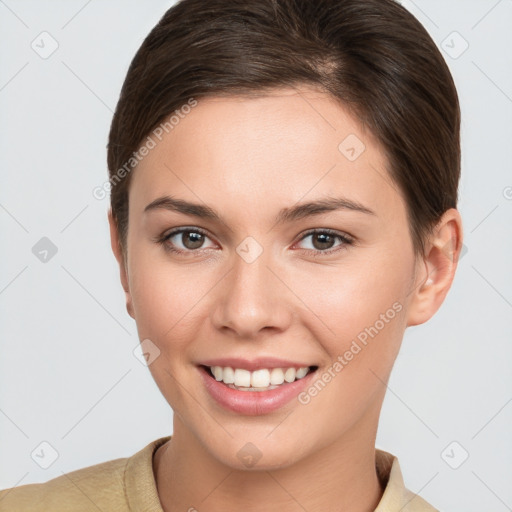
<point x="252" y="278"/>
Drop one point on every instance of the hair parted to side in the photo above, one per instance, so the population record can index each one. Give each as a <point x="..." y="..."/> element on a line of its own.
<point x="371" y="55"/>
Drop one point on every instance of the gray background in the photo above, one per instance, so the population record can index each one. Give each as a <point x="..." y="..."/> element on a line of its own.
<point x="68" y="374"/>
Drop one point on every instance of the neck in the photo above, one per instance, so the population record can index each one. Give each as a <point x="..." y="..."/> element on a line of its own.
<point x="340" y="476"/>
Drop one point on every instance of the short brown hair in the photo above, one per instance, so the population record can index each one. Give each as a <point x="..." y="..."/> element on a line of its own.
<point x="372" y="55"/>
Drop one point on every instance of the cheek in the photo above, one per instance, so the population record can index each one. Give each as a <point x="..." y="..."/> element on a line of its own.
<point x="366" y="312"/>
<point x="354" y="296"/>
<point x="361" y="310"/>
<point x="166" y="299"/>
<point x="167" y="306"/>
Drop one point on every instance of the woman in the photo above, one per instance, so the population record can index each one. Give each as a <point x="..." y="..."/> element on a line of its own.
<point x="283" y="179"/>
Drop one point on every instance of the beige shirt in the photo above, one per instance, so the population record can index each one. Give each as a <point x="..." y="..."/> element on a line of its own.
<point x="128" y="485"/>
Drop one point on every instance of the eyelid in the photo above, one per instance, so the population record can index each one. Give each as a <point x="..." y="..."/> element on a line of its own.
<point x="182" y="229"/>
<point x="329" y="231"/>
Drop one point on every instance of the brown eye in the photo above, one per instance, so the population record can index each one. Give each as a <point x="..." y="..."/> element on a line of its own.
<point x="322" y="241"/>
<point x="185" y="240"/>
<point x="192" y="239"/>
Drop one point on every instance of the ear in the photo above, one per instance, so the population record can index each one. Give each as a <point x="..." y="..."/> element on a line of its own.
<point x="436" y="270"/>
<point x="121" y="260"/>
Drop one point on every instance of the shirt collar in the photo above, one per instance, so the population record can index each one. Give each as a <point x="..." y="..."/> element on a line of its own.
<point x="396" y="497"/>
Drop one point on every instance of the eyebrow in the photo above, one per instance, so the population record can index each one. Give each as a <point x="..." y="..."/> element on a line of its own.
<point x="290" y="214"/>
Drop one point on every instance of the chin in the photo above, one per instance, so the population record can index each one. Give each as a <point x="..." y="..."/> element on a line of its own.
<point x="258" y="452"/>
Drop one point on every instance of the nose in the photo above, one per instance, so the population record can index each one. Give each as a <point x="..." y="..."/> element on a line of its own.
<point x="252" y="299"/>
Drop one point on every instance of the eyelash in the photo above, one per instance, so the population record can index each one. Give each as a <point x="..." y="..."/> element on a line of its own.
<point x="345" y="239"/>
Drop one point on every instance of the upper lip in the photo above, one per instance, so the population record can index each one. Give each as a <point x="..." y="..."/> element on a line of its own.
<point x="254" y="364"/>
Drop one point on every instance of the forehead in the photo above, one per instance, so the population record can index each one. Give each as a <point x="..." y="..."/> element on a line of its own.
<point x="272" y="150"/>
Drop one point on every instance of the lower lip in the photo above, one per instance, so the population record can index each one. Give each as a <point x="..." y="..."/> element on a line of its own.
<point x="253" y="403"/>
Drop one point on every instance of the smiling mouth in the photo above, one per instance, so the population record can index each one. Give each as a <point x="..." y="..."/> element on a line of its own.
<point x="264" y="379"/>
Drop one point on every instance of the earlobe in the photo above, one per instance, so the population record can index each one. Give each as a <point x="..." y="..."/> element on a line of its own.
<point x="118" y="253"/>
<point x="436" y="271"/>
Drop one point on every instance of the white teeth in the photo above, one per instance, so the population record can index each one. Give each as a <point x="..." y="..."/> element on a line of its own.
<point x="301" y="372"/>
<point x="289" y="375"/>
<point x="242" y="377"/>
<point x="262" y="379"/>
<point x="228" y="375"/>
<point x="276" y="376"/>
<point x="217" y="372"/>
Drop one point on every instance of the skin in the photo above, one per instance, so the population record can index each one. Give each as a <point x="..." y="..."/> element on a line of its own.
<point x="247" y="158"/>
